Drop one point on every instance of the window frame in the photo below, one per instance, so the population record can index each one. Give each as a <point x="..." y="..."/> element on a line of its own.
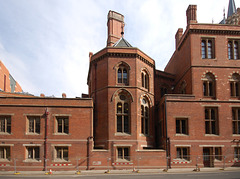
<point x="207" y="51"/>
<point x="120" y="153"/>
<point x="182" y="156"/>
<point x="122" y="75"/>
<point x="211" y="125"/>
<point x="64" y="121"/>
<point x="5" y="124"/>
<point x="145" y="79"/>
<point x="59" y="150"/>
<point x="123" y="114"/>
<point x="233" y="51"/>
<point x="145" y="116"/>
<point x="209" y="86"/>
<point x="237" y="153"/>
<point x="235" y="86"/>
<point x="180" y="131"/>
<point x="35" y="153"/>
<point x="236" y="121"/>
<point x="6" y="153"/>
<point x="36" y="125"/>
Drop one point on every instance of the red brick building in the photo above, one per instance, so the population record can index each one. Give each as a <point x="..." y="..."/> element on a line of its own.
<point x="136" y="116"/>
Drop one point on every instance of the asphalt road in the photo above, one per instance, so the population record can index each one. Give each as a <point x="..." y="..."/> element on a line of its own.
<point x="212" y="175"/>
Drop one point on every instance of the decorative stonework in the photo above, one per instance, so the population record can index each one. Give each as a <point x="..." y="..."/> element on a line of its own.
<point x="209" y="71"/>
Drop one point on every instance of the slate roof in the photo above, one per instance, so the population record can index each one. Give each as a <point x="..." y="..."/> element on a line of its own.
<point x="122" y="43"/>
<point x="231" y="8"/>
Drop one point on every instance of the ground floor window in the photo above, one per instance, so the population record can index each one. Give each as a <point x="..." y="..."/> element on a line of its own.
<point x="33" y="153"/>
<point x="123" y="153"/>
<point x="218" y="153"/>
<point x="183" y="153"/>
<point x="237" y="153"/>
<point x="61" y="153"/>
<point x="5" y="153"/>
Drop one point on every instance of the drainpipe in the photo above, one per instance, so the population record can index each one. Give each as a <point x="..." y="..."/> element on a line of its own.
<point x="46" y="139"/>
<point x="167" y="139"/>
<point x="88" y="151"/>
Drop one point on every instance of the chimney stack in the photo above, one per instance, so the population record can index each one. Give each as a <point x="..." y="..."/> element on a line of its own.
<point x="115" y="27"/>
<point x="178" y="36"/>
<point x="64" y="95"/>
<point x="191" y="14"/>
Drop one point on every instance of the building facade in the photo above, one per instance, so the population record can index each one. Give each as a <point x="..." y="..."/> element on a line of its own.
<point x="136" y="116"/>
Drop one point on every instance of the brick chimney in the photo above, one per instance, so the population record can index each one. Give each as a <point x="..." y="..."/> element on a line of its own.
<point x="115" y="27"/>
<point x="178" y="36"/>
<point x="191" y="14"/>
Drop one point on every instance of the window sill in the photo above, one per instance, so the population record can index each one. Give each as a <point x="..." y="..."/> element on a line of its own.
<point x="144" y="135"/>
<point x="182" y="135"/>
<point x="236" y="135"/>
<point x="32" y="133"/>
<point x="212" y="135"/>
<point x="31" y="160"/>
<point x="122" y="134"/>
<point x="5" y="160"/>
<point x="181" y="160"/>
<point x="123" y="160"/>
<point x="5" y="133"/>
<point x="61" y="134"/>
<point x="61" y="160"/>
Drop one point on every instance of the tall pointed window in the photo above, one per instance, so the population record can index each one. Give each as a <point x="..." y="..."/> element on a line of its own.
<point x="123" y="114"/>
<point x="145" y="117"/>
<point x="233" y="49"/>
<point x="209" y="85"/>
<point x="122" y="75"/>
<point x="207" y="46"/>
<point x="145" y="80"/>
<point x="234" y="85"/>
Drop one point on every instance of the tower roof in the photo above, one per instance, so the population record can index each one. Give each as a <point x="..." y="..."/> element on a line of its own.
<point x="231" y="8"/>
<point x="122" y="43"/>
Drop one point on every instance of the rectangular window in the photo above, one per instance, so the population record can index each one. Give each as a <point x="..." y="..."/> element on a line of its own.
<point x="5" y="153"/>
<point x="123" y="153"/>
<point x="182" y="126"/>
<point x="211" y="121"/>
<point x="33" y="153"/>
<point x="236" y="120"/>
<point x="237" y="153"/>
<point x="183" y="153"/>
<point x="5" y="124"/>
<point x="34" y="124"/>
<point x="61" y="153"/>
<point x="63" y="125"/>
<point x="233" y="49"/>
<point x="207" y="48"/>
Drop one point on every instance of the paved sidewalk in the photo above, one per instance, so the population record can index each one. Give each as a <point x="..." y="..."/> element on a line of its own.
<point x="141" y="171"/>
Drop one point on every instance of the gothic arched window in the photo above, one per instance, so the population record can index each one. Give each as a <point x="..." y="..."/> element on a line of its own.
<point x="145" y="80"/>
<point x="144" y="116"/>
<point x="123" y="114"/>
<point x="234" y="85"/>
<point x="209" y="85"/>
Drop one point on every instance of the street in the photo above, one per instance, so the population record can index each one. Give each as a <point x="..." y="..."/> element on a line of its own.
<point x="212" y="175"/>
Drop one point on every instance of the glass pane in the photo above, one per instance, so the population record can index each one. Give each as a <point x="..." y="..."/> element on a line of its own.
<point x="125" y="108"/>
<point x="1" y="152"/>
<point x="119" y="108"/>
<point x="142" y="110"/>
<point x="146" y="125"/>
<point x="38" y="126"/>
<point x="9" y="125"/>
<point x="59" y="153"/>
<point x="120" y="154"/>
<point x="209" y="49"/>
<point x="178" y="126"/>
<point x="31" y="125"/>
<point x="30" y="153"/>
<point x="230" y="55"/>
<point x="65" y="153"/>
<point x="124" y="76"/>
<point x="210" y="89"/>
<point x="126" y="124"/>
<point x="119" y="124"/>
<point x="184" y="127"/>
<point x="142" y="125"/>
<point x="179" y="153"/>
<point x="207" y="127"/>
<point x="206" y="114"/>
<point x="142" y="80"/>
<point x="66" y="129"/>
<point x="60" y="121"/>
<point x="237" y="88"/>
<point x="235" y="50"/>
<point x="234" y="127"/>
<point x="2" y="125"/>
<point x="213" y="117"/>
<point x="238" y="127"/>
<point x="146" y="112"/>
<point x="126" y="153"/>
<point x="8" y="153"/>
<point x="119" y="75"/>
<point x="203" y="49"/>
<point x="37" y="153"/>
<point x="204" y="88"/>
<point x="213" y="127"/>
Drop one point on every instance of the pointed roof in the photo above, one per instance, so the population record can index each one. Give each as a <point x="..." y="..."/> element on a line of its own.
<point x="231" y="8"/>
<point x="122" y="43"/>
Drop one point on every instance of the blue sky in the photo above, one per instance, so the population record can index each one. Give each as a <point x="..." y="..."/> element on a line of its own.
<point x="45" y="43"/>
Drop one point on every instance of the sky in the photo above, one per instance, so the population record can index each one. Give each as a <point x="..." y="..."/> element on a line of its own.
<point x="45" y="44"/>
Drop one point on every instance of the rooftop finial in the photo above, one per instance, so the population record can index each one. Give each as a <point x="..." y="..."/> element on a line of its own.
<point x="122" y="33"/>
